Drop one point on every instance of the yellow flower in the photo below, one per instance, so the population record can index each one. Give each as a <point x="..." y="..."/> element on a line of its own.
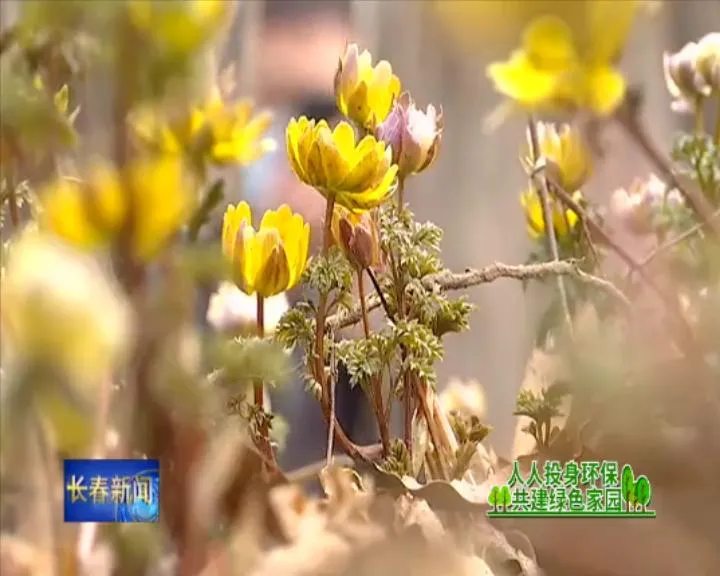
<point x="564" y="222"/>
<point x="357" y="235"/>
<point x="558" y="68"/>
<point x="236" y="134"/>
<point x="365" y="93"/>
<point x="60" y="309"/>
<point x="270" y="260"/>
<point x="217" y="132"/>
<point x="566" y="150"/>
<point x="358" y="175"/>
<point x="90" y="213"/>
<point x="180" y="25"/>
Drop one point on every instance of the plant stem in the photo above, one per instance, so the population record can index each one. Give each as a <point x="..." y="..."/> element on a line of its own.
<point x="435" y="436"/>
<point x="716" y="132"/>
<point x="376" y="381"/>
<point x="699" y="117"/>
<point x="259" y="390"/>
<point x="322" y="304"/>
<point x="543" y="191"/>
<point x="399" y="281"/>
<point x="325" y="400"/>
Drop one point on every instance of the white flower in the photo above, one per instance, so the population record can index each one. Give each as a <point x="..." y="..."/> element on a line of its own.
<point x="230" y="308"/>
<point x="684" y="82"/>
<point x="467" y="398"/>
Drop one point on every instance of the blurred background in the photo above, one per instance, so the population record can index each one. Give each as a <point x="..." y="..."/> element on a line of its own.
<point x="285" y="53"/>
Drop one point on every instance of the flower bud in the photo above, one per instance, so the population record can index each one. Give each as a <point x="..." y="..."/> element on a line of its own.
<point x="357" y="235"/>
<point x="566" y="151"/>
<point x="413" y="135"/>
<point x="638" y="206"/>
<point x="364" y="94"/>
<point x="708" y="60"/>
<point x="684" y="82"/>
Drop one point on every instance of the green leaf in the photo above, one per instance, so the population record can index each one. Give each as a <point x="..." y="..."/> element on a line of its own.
<point x="245" y="360"/>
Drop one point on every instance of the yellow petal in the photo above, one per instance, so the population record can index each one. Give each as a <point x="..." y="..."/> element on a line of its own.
<point x="292" y="138"/>
<point x="358" y="105"/>
<point x="314" y="162"/>
<point x="64" y="213"/>
<point x="519" y="80"/>
<point x="606" y="90"/>
<point x="372" y="197"/>
<point x="273" y="272"/>
<point x="164" y="200"/>
<point x="548" y="44"/>
<point x="245" y="259"/>
<point x="334" y="165"/>
<point x="365" y="172"/>
<point x="608" y="26"/>
<point x="344" y="139"/>
<point x="302" y="254"/>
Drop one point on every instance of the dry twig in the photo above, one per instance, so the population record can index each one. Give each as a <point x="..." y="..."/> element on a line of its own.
<point x="447" y="280"/>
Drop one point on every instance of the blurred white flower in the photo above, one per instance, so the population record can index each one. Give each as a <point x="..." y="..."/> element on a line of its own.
<point x="464" y="397"/>
<point x="231" y="309"/>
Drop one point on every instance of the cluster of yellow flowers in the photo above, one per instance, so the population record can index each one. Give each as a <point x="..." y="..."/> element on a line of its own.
<point x="356" y="166"/>
<point x="210" y="133"/>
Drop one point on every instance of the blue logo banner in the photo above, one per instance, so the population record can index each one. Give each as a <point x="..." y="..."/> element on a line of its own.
<point x="112" y="490"/>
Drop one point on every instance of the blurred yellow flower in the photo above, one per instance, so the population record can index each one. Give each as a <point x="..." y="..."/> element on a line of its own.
<point x="567" y="152"/>
<point x="270" y="260"/>
<point x="357" y="234"/>
<point x="493" y="24"/>
<point x="564" y="221"/>
<point x="158" y="195"/>
<point x="559" y="68"/>
<point x="364" y="93"/>
<point x="60" y="309"/>
<point x="217" y="132"/>
<point x="357" y="175"/>
<point x="180" y="25"/>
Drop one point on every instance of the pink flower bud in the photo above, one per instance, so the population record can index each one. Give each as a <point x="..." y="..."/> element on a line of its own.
<point x="414" y="135"/>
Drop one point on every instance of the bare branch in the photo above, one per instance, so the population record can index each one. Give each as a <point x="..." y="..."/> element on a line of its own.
<point x="542" y="187"/>
<point x="447" y="280"/>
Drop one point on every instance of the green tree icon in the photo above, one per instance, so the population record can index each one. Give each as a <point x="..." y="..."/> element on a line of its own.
<point x="643" y="492"/>
<point x="505" y="498"/>
<point x="493" y="497"/>
<point x="628" y="486"/>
